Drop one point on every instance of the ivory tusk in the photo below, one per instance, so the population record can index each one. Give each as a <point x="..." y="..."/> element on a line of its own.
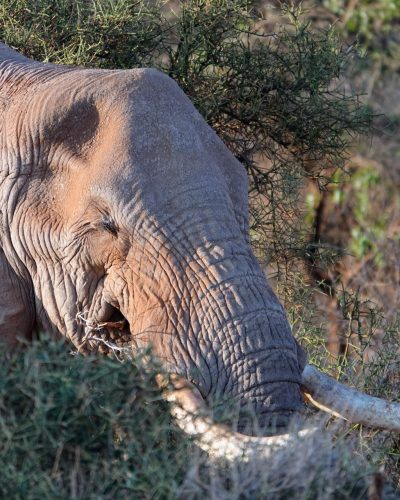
<point x="190" y="413"/>
<point x="357" y="407"/>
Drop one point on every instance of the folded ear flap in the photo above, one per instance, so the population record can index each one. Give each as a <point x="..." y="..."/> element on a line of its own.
<point x="16" y="318"/>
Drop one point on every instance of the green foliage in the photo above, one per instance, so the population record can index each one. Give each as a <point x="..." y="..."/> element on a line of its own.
<point x="369" y="19"/>
<point x="272" y="97"/>
<point x="90" y="428"/>
<point x="367" y="226"/>
<point x="102" y="33"/>
<point x="84" y="427"/>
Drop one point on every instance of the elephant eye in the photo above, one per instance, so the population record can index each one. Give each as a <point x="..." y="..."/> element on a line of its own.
<point x="109" y="225"/>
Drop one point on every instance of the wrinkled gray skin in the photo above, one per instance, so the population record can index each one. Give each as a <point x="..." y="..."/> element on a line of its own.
<point x="117" y="198"/>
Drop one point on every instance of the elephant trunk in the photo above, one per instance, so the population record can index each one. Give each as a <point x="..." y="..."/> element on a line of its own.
<point x="224" y="331"/>
<point x="255" y="361"/>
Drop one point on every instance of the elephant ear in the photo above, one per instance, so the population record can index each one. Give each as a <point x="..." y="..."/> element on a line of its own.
<point x="16" y="310"/>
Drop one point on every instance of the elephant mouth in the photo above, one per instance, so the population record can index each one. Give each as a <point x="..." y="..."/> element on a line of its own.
<point x="115" y="320"/>
<point x="107" y="333"/>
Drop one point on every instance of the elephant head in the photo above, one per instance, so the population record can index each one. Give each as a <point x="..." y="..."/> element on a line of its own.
<point x="124" y="218"/>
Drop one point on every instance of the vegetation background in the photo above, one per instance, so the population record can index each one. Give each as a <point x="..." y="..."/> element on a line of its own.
<point x="308" y="100"/>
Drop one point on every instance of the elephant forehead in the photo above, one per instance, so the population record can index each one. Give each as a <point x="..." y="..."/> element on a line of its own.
<point x="149" y="143"/>
<point x="129" y="197"/>
<point x="139" y="114"/>
<point x="131" y="137"/>
<point x="146" y="109"/>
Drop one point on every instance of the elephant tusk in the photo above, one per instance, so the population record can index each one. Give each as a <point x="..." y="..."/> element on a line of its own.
<point x="341" y="401"/>
<point x="218" y="441"/>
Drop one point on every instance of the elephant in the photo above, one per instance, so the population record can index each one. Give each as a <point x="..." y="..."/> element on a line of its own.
<point x="124" y="221"/>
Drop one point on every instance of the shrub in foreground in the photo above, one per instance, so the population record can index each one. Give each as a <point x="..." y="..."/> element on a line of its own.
<point x="92" y="427"/>
<point x="83" y="427"/>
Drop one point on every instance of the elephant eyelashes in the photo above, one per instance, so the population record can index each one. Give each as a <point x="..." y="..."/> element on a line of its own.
<point x="109" y="225"/>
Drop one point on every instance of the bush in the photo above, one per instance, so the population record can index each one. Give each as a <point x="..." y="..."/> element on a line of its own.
<point x="84" y="427"/>
<point x="91" y="427"/>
